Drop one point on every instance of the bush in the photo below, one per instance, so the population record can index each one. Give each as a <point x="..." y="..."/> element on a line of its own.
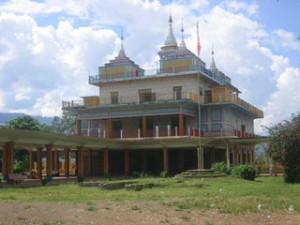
<point x="80" y="178"/>
<point x="164" y="174"/>
<point x="220" y="167"/>
<point x="246" y="172"/>
<point x="44" y="181"/>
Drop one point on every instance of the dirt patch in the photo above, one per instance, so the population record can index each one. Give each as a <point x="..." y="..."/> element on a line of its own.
<point x="131" y="212"/>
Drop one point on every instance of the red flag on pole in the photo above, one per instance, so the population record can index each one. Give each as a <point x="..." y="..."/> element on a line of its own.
<point x="198" y="43"/>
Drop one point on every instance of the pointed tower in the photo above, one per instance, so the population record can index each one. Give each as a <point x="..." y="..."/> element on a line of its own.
<point x="121" y="67"/>
<point x="213" y="66"/>
<point x="170" y="42"/>
<point x="182" y="43"/>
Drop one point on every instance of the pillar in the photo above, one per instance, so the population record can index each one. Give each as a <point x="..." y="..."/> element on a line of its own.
<point x="200" y="158"/>
<point x="4" y="164"/>
<point x="227" y="156"/>
<point x="110" y="128"/>
<point x="126" y="163"/>
<point x="30" y="160"/>
<point x="49" y="162"/>
<point x="39" y="163"/>
<point x="234" y="161"/>
<point x="55" y="161"/>
<point x="90" y="162"/>
<point x="251" y="155"/>
<point x="105" y="161"/>
<point x="67" y="162"/>
<point x="144" y="126"/>
<point x="247" y="155"/>
<point x="166" y="158"/>
<point x="181" y="125"/>
<point x="78" y="126"/>
<point x="241" y="152"/>
<point x="80" y="161"/>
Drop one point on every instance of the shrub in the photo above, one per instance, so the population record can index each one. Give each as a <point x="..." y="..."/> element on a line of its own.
<point x="220" y="167"/>
<point x="80" y="178"/>
<point x="164" y="174"/>
<point x="246" y="172"/>
<point x="44" y="181"/>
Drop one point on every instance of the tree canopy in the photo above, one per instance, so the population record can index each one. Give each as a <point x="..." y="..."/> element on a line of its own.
<point x="284" y="146"/>
<point x="26" y="122"/>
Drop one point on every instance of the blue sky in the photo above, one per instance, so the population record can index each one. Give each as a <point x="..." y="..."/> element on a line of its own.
<point x="48" y="48"/>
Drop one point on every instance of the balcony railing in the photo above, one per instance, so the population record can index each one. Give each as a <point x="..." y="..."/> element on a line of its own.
<point x="164" y="131"/>
<point x="223" y="98"/>
<point x="218" y="77"/>
<point x="153" y="97"/>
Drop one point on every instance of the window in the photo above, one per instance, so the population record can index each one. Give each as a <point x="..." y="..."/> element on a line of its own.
<point x="94" y="124"/>
<point x="114" y="97"/>
<point x="146" y="95"/>
<point x="200" y="91"/>
<point x="216" y="127"/>
<point x="177" y="92"/>
<point x="84" y="124"/>
<point x="203" y="115"/>
<point x="216" y="114"/>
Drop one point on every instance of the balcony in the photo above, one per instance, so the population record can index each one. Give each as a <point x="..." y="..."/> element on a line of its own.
<point x="80" y="103"/>
<point x="163" y="131"/>
<point x="224" y="94"/>
<point x="220" y="78"/>
<point x="142" y="98"/>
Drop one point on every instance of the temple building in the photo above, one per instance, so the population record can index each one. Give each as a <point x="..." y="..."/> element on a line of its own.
<point x="179" y="116"/>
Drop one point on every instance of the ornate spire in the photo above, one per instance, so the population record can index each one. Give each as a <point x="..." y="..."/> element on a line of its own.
<point x="122" y="53"/>
<point x="170" y="41"/>
<point x="213" y="66"/>
<point x="182" y="43"/>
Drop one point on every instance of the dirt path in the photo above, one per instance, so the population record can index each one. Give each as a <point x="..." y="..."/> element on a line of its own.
<point x="131" y="212"/>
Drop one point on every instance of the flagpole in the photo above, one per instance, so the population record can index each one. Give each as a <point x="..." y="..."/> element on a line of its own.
<point x="200" y="155"/>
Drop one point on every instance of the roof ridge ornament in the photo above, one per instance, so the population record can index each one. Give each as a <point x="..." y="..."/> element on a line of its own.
<point x="213" y="66"/>
<point x="182" y="43"/>
<point x="122" y="53"/>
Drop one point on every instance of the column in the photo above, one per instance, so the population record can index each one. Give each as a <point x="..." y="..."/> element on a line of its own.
<point x="227" y="156"/>
<point x="234" y="161"/>
<point x="181" y="125"/>
<point x="55" y="161"/>
<point x="39" y="163"/>
<point x="200" y="158"/>
<point x="241" y="152"/>
<point x="105" y="161"/>
<point x="110" y="128"/>
<point x="78" y="126"/>
<point x="247" y="155"/>
<point x="90" y="162"/>
<point x="144" y="126"/>
<point x="251" y="155"/>
<point x="166" y="158"/>
<point x="126" y="163"/>
<point x="49" y="162"/>
<point x="67" y="162"/>
<point x="5" y="162"/>
<point x="80" y="161"/>
<point x="30" y="161"/>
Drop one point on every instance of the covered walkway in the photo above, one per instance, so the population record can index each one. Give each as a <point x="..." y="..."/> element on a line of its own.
<point x="98" y="156"/>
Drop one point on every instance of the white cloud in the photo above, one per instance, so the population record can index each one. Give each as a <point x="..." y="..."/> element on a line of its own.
<point x="287" y="40"/>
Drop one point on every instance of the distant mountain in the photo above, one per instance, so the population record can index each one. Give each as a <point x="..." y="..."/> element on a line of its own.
<point x="6" y="117"/>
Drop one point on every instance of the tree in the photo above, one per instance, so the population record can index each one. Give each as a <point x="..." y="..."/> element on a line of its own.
<point x="284" y="146"/>
<point x="26" y="122"/>
<point x="63" y="125"/>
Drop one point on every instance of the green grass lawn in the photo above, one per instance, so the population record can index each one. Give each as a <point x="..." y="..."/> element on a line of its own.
<point x="226" y="194"/>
